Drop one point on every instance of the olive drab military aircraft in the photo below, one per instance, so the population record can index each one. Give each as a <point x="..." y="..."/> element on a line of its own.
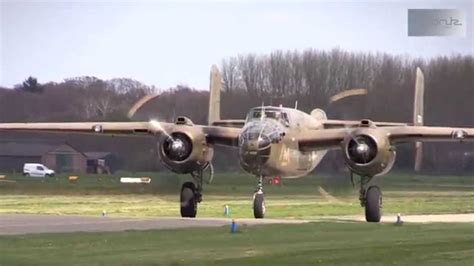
<point x="273" y="141"/>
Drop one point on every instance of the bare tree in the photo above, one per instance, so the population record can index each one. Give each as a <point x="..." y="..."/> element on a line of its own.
<point x="231" y="75"/>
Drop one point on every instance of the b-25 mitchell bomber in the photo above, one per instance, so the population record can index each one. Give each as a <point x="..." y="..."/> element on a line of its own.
<point x="273" y="141"/>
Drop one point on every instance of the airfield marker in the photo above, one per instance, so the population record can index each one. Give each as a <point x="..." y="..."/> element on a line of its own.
<point x="233" y="227"/>
<point x="399" y="220"/>
<point x="135" y="180"/>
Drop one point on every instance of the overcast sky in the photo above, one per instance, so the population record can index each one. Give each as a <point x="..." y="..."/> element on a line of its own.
<point x="165" y="44"/>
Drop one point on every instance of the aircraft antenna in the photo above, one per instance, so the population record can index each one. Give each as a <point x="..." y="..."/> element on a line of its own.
<point x="296" y="104"/>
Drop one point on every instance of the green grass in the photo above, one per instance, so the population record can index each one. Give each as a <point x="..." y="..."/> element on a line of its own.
<point x="224" y="184"/>
<point x="306" y="244"/>
<point x="298" y="198"/>
<point x="212" y="206"/>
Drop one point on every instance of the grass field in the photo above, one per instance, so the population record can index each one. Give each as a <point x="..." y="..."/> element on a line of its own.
<point x="300" y="198"/>
<point x="306" y="244"/>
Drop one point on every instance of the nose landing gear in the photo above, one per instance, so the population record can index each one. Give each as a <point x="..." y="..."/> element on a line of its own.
<point x="259" y="200"/>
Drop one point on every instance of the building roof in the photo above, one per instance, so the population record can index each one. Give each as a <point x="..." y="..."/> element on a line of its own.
<point x="35" y="149"/>
<point x="96" y="155"/>
<point x="24" y="148"/>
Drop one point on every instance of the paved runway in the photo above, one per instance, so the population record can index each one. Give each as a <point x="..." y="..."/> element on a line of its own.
<point x="17" y="224"/>
<point x="421" y="218"/>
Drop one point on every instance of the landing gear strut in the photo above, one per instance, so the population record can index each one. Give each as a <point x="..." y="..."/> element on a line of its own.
<point x="191" y="195"/>
<point x="259" y="200"/>
<point x="371" y="198"/>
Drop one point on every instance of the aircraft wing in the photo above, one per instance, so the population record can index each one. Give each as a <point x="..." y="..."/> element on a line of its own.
<point x="229" y="123"/>
<point x="332" y="138"/>
<point x="215" y="135"/>
<point x="321" y="139"/>
<point x="424" y="133"/>
<point x="225" y="136"/>
<point x="349" y="123"/>
<point x="122" y="128"/>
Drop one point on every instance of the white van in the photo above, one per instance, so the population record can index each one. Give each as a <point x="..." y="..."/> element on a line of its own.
<point x="37" y="170"/>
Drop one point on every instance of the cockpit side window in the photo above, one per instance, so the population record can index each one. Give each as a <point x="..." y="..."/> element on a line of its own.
<point x="257" y="114"/>
<point x="285" y="120"/>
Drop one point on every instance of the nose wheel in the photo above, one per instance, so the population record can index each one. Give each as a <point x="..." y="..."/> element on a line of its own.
<point x="259" y="200"/>
<point x="258" y="205"/>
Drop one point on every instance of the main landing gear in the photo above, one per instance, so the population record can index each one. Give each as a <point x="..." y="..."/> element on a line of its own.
<point x="371" y="198"/>
<point x="259" y="200"/>
<point x="191" y="195"/>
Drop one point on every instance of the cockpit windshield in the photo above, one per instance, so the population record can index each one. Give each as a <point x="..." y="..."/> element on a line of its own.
<point x="278" y="115"/>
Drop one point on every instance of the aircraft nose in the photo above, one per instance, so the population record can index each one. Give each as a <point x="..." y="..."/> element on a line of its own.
<point x="254" y="150"/>
<point x="256" y="143"/>
<point x="255" y="153"/>
<point x="258" y="136"/>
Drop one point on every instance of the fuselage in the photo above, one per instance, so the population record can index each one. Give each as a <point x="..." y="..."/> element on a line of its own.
<point x="268" y="143"/>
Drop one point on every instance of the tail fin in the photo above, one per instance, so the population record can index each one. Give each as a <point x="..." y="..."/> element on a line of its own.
<point x="215" y="95"/>
<point x="418" y="112"/>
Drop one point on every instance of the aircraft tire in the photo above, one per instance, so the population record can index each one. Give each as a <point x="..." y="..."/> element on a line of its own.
<point x="373" y="213"/>
<point x="188" y="202"/>
<point x="258" y="206"/>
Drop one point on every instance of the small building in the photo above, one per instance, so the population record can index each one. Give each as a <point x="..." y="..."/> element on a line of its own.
<point x="65" y="159"/>
<point x="61" y="157"/>
<point x="100" y="162"/>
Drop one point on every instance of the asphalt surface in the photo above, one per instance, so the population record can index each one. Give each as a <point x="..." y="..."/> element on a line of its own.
<point x="18" y="224"/>
<point x="422" y="218"/>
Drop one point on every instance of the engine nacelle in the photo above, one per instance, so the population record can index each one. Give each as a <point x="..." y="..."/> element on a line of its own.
<point x="368" y="152"/>
<point x="185" y="149"/>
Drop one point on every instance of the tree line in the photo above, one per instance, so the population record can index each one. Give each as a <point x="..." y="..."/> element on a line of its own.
<point x="311" y="77"/>
<point x="74" y="99"/>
